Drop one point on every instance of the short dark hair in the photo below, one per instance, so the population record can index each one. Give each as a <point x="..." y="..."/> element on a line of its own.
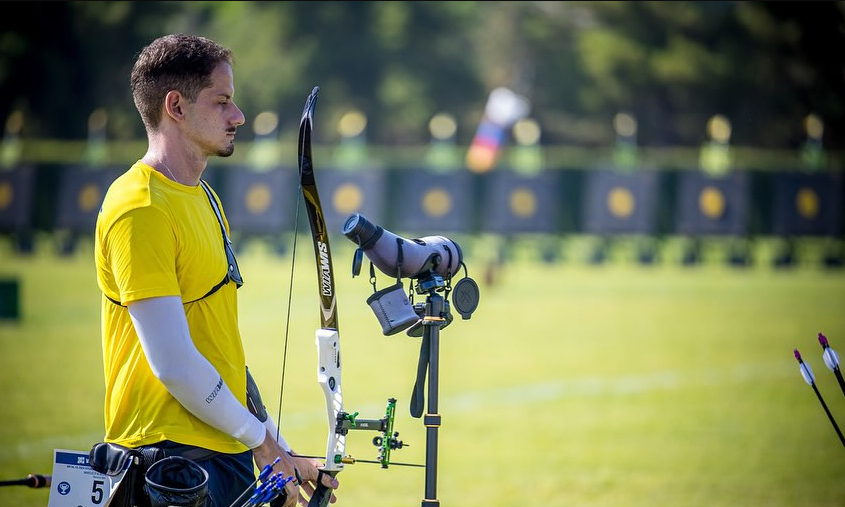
<point x="173" y="62"/>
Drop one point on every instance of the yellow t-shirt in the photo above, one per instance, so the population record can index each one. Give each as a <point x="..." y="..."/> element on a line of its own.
<point x="155" y="237"/>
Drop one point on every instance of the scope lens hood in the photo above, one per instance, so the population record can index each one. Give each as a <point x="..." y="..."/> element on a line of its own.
<point x="361" y="231"/>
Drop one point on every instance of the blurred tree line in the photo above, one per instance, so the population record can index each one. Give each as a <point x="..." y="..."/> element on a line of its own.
<point x="673" y="65"/>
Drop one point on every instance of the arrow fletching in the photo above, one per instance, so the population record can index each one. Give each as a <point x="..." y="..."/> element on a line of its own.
<point x="805" y="369"/>
<point x="831" y="358"/>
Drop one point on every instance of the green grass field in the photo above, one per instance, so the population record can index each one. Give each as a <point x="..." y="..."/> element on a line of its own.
<point x="572" y="385"/>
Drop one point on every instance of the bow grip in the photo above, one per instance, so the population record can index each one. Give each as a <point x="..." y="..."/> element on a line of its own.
<point x="322" y="494"/>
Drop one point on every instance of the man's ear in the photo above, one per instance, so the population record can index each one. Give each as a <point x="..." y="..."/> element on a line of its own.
<point x="173" y="104"/>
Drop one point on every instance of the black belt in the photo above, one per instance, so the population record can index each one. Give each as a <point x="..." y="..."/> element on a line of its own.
<point x="153" y="453"/>
<point x="111" y="459"/>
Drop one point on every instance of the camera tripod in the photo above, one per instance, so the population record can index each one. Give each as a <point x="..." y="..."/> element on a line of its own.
<point x="436" y="315"/>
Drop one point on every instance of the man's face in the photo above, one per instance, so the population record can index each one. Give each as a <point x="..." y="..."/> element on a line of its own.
<point x="214" y="117"/>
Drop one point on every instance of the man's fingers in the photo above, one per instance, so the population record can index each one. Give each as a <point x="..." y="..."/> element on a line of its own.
<point x="328" y="481"/>
<point x="306" y="491"/>
<point x="290" y="501"/>
<point x="293" y="494"/>
<point x="307" y="488"/>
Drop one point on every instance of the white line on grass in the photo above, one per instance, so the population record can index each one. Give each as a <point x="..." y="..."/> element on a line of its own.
<point x="622" y="385"/>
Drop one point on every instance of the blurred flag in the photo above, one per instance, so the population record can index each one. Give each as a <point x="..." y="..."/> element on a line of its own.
<point x="503" y="109"/>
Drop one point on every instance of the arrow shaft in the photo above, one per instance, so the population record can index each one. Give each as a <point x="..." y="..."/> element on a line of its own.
<point x="829" y="415"/>
<point x="839" y="379"/>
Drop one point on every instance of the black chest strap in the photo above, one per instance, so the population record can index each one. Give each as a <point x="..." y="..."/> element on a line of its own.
<point x="214" y="289"/>
<point x="230" y="256"/>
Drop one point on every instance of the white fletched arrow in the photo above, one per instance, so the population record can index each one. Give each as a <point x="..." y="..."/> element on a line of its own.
<point x="807" y="373"/>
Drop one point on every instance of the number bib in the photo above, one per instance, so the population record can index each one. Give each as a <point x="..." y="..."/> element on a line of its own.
<point x="76" y="484"/>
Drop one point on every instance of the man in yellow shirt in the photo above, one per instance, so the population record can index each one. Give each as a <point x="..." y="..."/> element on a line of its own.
<point x="175" y="370"/>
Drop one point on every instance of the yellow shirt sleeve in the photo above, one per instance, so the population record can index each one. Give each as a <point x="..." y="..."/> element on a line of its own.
<point x="143" y="255"/>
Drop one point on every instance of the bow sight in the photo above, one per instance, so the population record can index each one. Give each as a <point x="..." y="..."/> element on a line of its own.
<point x="388" y="441"/>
